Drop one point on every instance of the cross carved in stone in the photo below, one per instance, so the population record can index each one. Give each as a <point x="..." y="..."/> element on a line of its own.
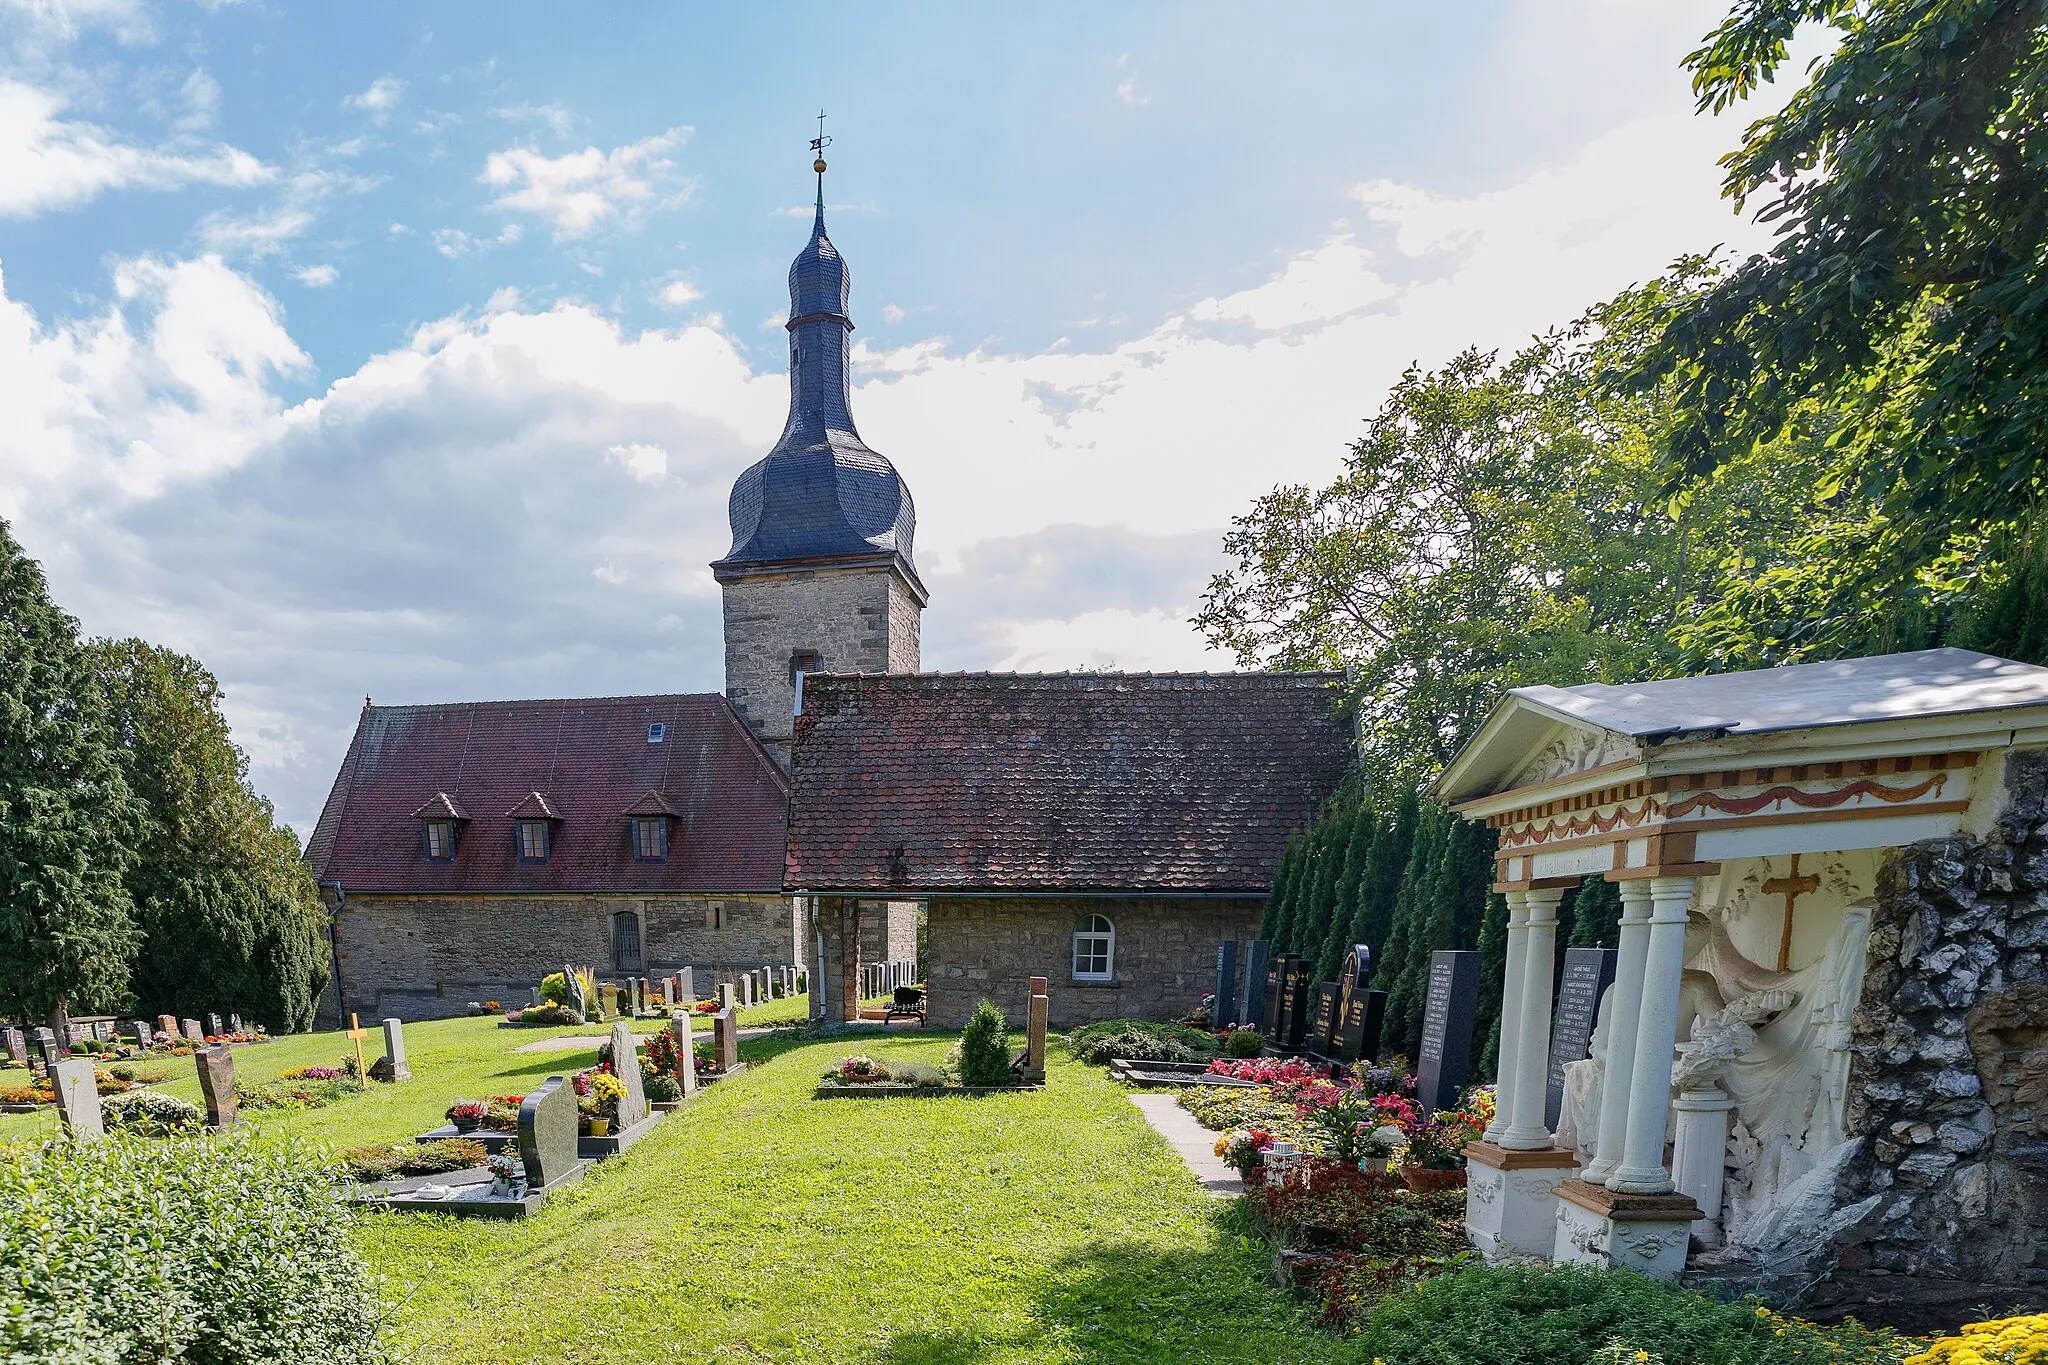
<point x="1791" y="888"/>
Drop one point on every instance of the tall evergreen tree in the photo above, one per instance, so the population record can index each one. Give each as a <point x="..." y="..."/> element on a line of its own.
<point x="1404" y="975"/>
<point x="228" y="911"/>
<point x="67" y="820"/>
<point x="1283" y="882"/>
<point x="1596" y="915"/>
<point x="1312" y="927"/>
<point x="1357" y="849"/>
<point x="1493" y="964"/>
<point x="1380" y="883"/>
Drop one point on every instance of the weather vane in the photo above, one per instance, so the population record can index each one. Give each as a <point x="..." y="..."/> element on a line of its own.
<point x="819" y="144"/>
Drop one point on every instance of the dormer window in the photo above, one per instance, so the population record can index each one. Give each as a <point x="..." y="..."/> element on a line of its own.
<point x="533" y="841"/>
<point x="441" y="822"/>
<point x="648" y="823"/>
<point x="533" y="824"/>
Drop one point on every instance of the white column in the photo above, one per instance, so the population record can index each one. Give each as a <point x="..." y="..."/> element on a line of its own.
<point x="1525" y="1130"/>
<point x="1649" y="1093"/>
<point x="1510" y="1011"/>
<point x="1632" y="941"/>
<point x="1699" y="1151"/>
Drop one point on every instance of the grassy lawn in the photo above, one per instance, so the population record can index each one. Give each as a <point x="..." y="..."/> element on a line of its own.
<point x="759" y="1223"/>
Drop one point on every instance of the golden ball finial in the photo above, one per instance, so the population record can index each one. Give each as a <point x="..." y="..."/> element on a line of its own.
<point x="819" y="165"/>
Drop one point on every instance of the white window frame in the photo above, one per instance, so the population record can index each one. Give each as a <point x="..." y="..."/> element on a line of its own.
<point x="1095" y="930"/>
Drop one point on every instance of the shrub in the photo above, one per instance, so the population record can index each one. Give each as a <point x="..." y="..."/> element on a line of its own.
<point x="1244" y="1042"/>
<point x="919" y="1074"/>
<point x="985" y="1047"/>
<point x="2005" y="1341"/>
<point x="546" y="1016"/>
<point x="1141" y="1040"/>
<point x="1531" y="1316"/>
<point x="396" y="1161"/>
<point x="661" y="1087"/>
<point x="148" y="1112"/>
<point x="554" y="988"/>
<point x="217" y="1249"/>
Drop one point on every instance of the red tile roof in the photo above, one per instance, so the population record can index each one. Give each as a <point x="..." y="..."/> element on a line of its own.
<point x="590" y="761"/>
<point x="1092" y="781"/>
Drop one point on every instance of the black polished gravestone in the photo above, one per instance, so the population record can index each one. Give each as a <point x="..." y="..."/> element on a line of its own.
<point x="1276" y="987"/>
<point x="1445" y="1057"/>
<point x="1251" y="1002"/>
<point x="1223" y="1003"/>
<point x="1297" y="1000"/>
<point x="1322" y="1035"/>
<point x="1588" y="972"/>
<point x="1358" y="1036"/>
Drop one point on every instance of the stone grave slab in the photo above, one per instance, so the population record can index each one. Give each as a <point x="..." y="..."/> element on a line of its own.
<point x="1034" y="1033"/>
<point x="47" y="1053"/>
<point x="193" y="1031"/>
<point x="679" y="1023"/>
<point x="547" y="1150"/>
<point x="1444" y="1061"/>
<point x="167" y="1023"/>
<point x="1223" y="1000"/>
<point x="217" y="1084"/>
<point x="393" y="1066"/>
<point x="214" y="1027"/>
<point x="144" y="1034"/>
<point x="547" y="1135"/>
<point x="1323" y="1031"/>
<point x="1588" y="972"/>
<point x="234" y="1023"/>
<point x="16" y="1043"/>
<point x="626" y="1066"/>
<point x="78" y="1098"/>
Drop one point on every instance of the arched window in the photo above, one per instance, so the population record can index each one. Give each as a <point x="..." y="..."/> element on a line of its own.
<point x="626" y="942"/>
<point x="1094" y="948"/>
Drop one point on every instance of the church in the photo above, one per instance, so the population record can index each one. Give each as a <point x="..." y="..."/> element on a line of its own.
<point x="467" y="849"/>
<point x="1104" y="830"/>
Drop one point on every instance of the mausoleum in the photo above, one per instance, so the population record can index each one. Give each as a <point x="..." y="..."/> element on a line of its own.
<point x="1826" y="1043"/>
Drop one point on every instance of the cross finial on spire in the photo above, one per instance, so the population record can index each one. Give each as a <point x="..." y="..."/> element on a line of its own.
<point x="818" y="146"/>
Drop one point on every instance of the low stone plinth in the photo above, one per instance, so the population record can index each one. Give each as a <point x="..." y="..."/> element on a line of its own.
<point x="615" y="1144"/>
<point x="1172" y="1073"/>
<point x="466" y="1194"/>
<point x="874" y="1090"/>
<point x="1646" y="1233"/>
<point x="1511" y="1199"/>
<point x="494" y="1141"/>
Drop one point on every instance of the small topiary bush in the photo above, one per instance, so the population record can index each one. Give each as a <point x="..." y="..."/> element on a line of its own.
<point x="985" y="1047"/>
<point x="1530" y="1316"/>
<point x="1244" y="1043"/>
<point x="554" y="988"/>
<point x="660" y="1087"/>
<point x="219" y="1249"/>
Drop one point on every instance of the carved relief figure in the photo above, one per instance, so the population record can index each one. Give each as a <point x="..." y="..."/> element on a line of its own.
<point x="1574" y="751"/>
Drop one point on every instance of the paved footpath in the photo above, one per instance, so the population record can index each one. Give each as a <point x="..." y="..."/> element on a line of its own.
<point x="1196" y="1144"/>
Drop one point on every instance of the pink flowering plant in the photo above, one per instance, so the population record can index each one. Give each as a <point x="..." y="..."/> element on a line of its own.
<point x="1266" y="1071"/>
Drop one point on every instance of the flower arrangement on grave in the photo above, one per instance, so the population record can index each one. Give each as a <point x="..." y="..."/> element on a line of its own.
<point x="506" y="1170"/>
<point x="660" y="1087"/>
<point x="501" y="1114"/>
<point x="1244" y="1149"/>
<point x="1344" y="1117"/>
<point x="607" y="1090"/>
<point x="151" y="1112"/>
<point x="39" y="1093"/>
<point x="664" y="1056"/>
<point x="861" y="1069"/>
<point x="492" y="1007"/>
<point x="706" y="1007"/>
<point x="1437" y="1143"/>
<point x="106" y="1082"/>
<point x="313" y="1073"/>
<point x="1204" y="1010"/>
<point x="467" y="1115"/>
<point x="706" y="1055"/>
<point x="379" y="1162"/>
<point x="1243" y="1043"/>
<point x="1267" y="1071"/>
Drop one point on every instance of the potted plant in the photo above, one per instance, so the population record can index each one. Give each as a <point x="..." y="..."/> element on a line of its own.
<point x="861" y="1069"/>
<point x="1377" y="1147"/>
<point x="507" y="1171"/>
<point x="1436" y="1152"/>
<point x="1244" y="1150"/>
<point x="467" y="1115"/>
<point x="606" y="1090"/>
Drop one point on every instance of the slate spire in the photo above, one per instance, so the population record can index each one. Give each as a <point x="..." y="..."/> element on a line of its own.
<point x="821" y="493"/>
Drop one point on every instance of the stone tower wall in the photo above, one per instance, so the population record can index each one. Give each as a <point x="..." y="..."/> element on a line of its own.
<point x="1948" y="1083"/>
<point x="861" y="620"/>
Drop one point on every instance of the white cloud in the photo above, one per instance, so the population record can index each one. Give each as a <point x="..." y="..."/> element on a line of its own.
<point x="316" y="276"/>
<point x="454" y="243"/>
<point x="579" y="191"/>
<point x="1127" y="88"/>
<point x="47" y="162"/>
<point x="646" y="463"/>
<point x="262" y="235"/>
<point x="201" y="94"/>
<point x="679" y="293"/>
<point x="64" y="20"/>
<point x="553" y="115"/>
<point x="891" y="313"/>
<point x="810" y="210"/>
<point x="380" y="99"/>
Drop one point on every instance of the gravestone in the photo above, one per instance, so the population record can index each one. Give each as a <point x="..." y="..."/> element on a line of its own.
<point x="1353" y="975"/>
<point x="533" y="997"/>
<point x="725" y="1039"/>
<point x="75" y="1032"/>
<point x="78" y="1097"/>
<point x="1251" y="1000"/>
<point x="217" y="1083"/>
<point x="394" y="1066"/>
<point x="747" y="990"/>
<point x="1297" y="1001"/>
<point x="214" y="1028"/>
<point x="1034" y="1033"/>
<point x="547" y="1132"/>
<point x="1364" y="1015"/>
<point x="194" y="1033"/>
<point x="686" y="1050"/>
<point x="1223" y="1003"/>
<point x="1323" y="1034"/>
<point x="234" y="1023"/>
<point x="103" y="1030"/>
<point x="1270" y="1017"/>
<point x="1445" y="1058"/>
<point x="144" y="1035"/>
<point x="573" y="995"/>
<point x="686" y="983"/>
<point x="1588" y="972"/>
<point x="167" y="1024"/>
<point x="728" y="998"/>
<point x="17" y="1045"/>
<point x="668" y="992"/>
<point x="47" y="1053"/>
<point x="626" y="1066"/>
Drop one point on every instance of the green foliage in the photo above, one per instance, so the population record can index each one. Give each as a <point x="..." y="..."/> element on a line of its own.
<point x="1140" y="1040"/>
<point x="554" y="988"/>
<point x="219" y="1250"/>
<point x="1244" y="1043"/>
<point x="393" y="1161"/>
<point x="1525" y="1316"/>
<point x="985" y="1047"/>
<point x="150" y="1112"/>
<point x="229" y="914"/>
<point x="67" y="820"/>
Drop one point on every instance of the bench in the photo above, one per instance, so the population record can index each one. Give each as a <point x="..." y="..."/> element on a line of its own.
<point x="906" y="1003"/>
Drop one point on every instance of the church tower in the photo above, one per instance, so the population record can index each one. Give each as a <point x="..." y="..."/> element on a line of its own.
<point x="819" y="578"/>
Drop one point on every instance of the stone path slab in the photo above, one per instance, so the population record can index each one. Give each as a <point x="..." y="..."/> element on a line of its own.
<point x="1196" y="1144"/>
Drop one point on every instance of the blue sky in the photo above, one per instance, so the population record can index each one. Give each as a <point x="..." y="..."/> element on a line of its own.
<point x="410" y="350"/>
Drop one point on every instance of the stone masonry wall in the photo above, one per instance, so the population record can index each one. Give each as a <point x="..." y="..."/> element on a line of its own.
<point x="1165" y="958"/>
<point x="1948" y="1081"/>
<point x="856" y="620"/>
<point x="427" y="957"/>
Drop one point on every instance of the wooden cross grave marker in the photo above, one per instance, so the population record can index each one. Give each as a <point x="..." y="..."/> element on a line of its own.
<point x="356" y="1033"/>
<point x="1791" y="888"/>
